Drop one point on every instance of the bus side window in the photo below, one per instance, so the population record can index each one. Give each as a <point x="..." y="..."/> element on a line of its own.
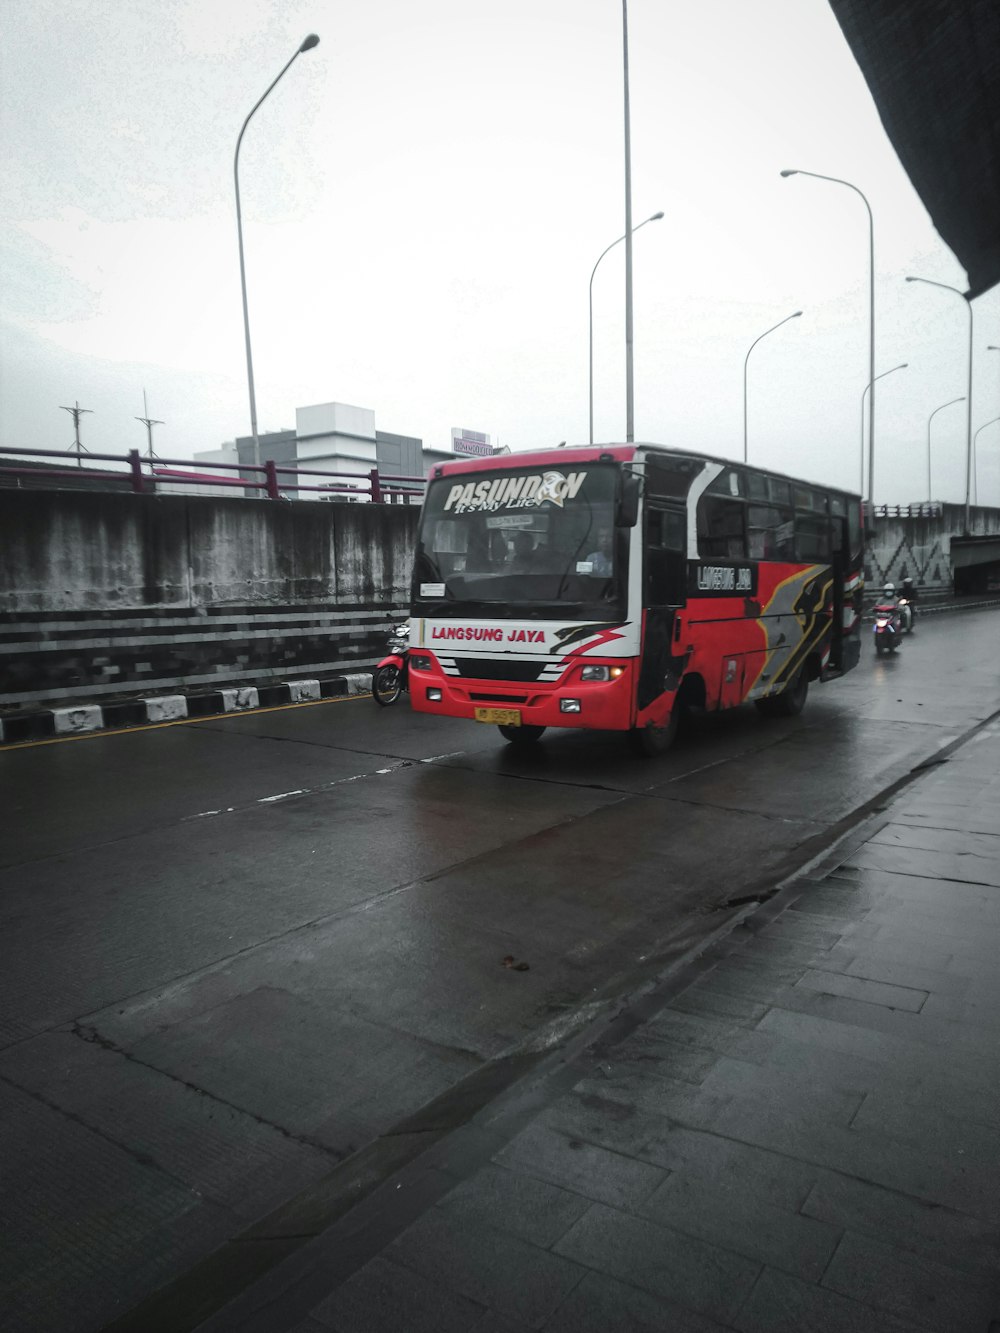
<point x="721" y="528"/>
<point x="854" y="532"/>
<point x="666" y="561"/>
<point x="812" y="538"/>
<point x="771" y="531"/>
<point x="838" y="535"/>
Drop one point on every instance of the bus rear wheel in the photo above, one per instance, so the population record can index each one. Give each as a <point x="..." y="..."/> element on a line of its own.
<point x="790" y="702"/>
<point x="651" y="741"/>
<point x="521" y="735"/>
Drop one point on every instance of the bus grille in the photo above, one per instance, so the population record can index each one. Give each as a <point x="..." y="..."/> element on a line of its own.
<point x="496" y="668"/>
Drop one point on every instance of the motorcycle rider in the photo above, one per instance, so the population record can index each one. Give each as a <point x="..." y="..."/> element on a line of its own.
<point x="909" y="591"/>
<point x="890" y="599"/>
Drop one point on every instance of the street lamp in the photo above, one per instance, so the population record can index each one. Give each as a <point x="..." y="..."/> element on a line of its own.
<point x="975" y="437"/>
<point x="968" y="408"/>
<point x="951" y="403"/>
<point x="629" y="380"/>
<point x="871" y="316"/>
<point x="746" y="360"/>
<point x="871" y="498"/>
<point x="307" y="45"/>
<point x="655" y="218"/>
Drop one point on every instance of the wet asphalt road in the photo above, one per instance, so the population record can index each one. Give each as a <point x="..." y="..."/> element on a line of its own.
<point x="233" y="952"/>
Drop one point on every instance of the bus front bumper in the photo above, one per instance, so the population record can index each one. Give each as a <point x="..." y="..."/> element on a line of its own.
<point x="605" y="705"/>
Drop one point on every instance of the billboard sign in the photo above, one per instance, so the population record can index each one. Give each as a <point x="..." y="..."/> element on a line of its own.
<point x="470" y="443"/>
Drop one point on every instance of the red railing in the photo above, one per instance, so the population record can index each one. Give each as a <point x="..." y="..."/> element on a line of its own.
<point x="272" y="481"/>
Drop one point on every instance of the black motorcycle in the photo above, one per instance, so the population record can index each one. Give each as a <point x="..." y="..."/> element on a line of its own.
<point x="907" y="614"/>
<point x="392" y="675"/>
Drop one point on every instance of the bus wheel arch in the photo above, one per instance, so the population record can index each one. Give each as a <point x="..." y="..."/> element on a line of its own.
<point x="692" y="693"/>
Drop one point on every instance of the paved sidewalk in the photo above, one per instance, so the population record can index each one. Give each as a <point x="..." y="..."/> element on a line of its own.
<point x="804" y="1139"/>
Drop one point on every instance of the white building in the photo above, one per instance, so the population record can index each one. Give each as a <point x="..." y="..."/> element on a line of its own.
<point x="333" y="438"/>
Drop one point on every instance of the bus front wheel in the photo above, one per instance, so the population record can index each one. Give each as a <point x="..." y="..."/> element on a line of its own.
<point x="521" y="735"/>
<point x="651" y="741"/>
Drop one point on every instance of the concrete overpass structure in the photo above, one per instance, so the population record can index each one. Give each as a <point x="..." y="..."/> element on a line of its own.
<point x="107" y="594"/>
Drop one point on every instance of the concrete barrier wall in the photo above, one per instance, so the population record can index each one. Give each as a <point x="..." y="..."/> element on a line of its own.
<point x="105" y="593"/>
<point x="921" y="547"/>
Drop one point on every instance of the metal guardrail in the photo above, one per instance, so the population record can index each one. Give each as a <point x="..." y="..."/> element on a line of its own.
<point x="273" y="480"/>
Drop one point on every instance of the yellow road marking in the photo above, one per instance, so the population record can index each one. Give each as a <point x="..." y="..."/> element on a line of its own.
<point x="181" y="722"/>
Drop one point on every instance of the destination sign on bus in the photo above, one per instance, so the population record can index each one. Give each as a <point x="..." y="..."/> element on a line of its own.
<point x="723" y="580"/>
<point x="524" y="491"/>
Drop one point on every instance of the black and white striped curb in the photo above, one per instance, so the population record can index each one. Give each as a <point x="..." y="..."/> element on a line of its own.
<point x="45" y="723"/>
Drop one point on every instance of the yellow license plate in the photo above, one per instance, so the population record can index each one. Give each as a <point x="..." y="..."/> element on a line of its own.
<point x="501" y="717"/>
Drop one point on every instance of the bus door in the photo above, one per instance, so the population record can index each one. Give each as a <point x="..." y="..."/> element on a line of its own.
<point x="664" y="586"/>
<point x="839" y="562"/>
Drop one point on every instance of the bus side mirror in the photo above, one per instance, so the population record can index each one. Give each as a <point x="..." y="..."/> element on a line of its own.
<point x="628" y="501"/>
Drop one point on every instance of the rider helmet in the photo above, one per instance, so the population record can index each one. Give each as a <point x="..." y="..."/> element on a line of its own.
<point x="889" y="590"/>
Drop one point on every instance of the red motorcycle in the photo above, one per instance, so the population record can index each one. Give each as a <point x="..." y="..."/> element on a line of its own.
<point x="888" y="627"/>
<point x="392" y="675"/>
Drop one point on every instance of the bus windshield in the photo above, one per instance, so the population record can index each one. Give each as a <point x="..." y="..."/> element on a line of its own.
<point x="521" y="541"/>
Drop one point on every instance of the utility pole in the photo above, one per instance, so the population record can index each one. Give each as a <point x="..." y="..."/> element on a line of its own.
<point x="149" y="422"/>
<point x="76" y="412"/>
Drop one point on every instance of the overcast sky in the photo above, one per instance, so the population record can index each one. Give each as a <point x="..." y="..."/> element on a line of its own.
<point x="424" y="197"/>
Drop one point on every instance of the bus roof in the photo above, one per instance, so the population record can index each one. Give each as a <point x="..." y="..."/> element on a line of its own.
<point x="565" y="454"/>
<point x="568" y="455"/>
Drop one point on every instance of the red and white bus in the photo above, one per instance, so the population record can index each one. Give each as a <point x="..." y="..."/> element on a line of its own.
<point x="611" y="587"/>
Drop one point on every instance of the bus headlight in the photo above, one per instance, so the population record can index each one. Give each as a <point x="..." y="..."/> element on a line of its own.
<point x="601" y="672"/>
<point x="434" y="696"/>
<point x="419" y="662"/>
<point x="569" y="705"/>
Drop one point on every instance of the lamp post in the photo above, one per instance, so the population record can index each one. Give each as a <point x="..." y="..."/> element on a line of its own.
<point x="968" y="407"/>
<point x="950" y="403"/>
<point x="975" y="470"/>
<point x="871" y="497"/>
<point x="871" y="316"/>
<point x="745" y="362"/>
<point x="307" y="45"/>
<point x="629" y="386"/>
<point x="655" y="218"/>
